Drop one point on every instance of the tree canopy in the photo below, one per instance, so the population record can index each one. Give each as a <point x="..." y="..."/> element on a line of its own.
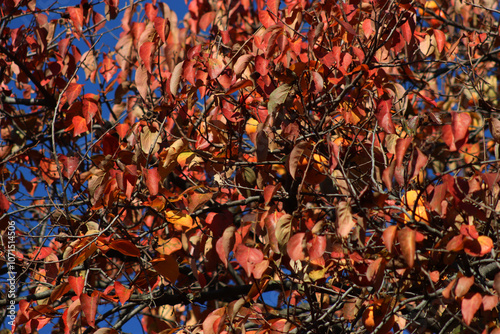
<point x="272" y="166"/>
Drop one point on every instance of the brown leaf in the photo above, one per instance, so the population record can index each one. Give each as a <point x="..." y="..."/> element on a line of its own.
<point x="406" y="238"/>
<point x="389" y="236"/>
<point x="176" y="78"/>
<point x="296" y="247"/>
<point x="125" y="247"/>
<point x="142" y="81"/>
<point x="345" y="220"/>
<point x="495" y="129"/>
<point x="225" y="244"/>
<point x="463" y="285"/>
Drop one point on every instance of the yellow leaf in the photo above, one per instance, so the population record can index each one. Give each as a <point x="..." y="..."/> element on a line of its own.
<point x="177" y="217"/>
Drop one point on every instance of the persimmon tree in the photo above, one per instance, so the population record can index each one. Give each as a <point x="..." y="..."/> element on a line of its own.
<point x="254" y="167"/>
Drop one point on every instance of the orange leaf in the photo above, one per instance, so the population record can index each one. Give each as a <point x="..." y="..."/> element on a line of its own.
<point x="169" y="246"/>
<point x="167" y="267"/>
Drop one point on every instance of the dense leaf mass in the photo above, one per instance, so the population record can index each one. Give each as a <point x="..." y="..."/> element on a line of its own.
<point x="290" y="166"/>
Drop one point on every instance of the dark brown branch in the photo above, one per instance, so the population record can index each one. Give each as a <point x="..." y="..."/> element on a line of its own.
<point x="51" y="102"/>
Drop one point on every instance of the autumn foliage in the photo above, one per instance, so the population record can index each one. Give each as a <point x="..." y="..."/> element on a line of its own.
<point x="272" y="166"/>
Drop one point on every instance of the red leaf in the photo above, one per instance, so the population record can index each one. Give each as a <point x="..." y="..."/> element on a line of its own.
<point x="419" y="163"/>
<point x="72" y="92"/>
<point x="295" y="247"/>
<point x="273" y="6"/>
<point x="266" y="19"/>
<point x="197" y="201"/>
<point x="367" y="27"/>
<point x="270" y="191"/>
<point x="122" y="292"/>
<point x="41" y="253"/>
<point x="169" y="246"/>
<point x="490" y="302"/>
<point x="440" y="39"/>
<point x="153" y="181"/>
<point x="206" y="20"/>
<point x="59" y="291"/>
<point x="470" y="305"/>
<point x="108" y="68"/>
<point x="456" y="134"/>
<point x="162" y="27"/>
<point x="383" y="115"/>
<point x="106" y="331"/>
<point x="76" y="284"/>
<point x="146" y="53"/>
<point x="151" y="11"/>
<point x="4" y="203"/>
<point x="211" y="322"/>
<point x="248" y="257"/>
<point x="469" y="231"/>
<point x="402" y="145"/>
<point x="111" y="9"/>
<point x="479" y="247"/>
<point x="346" y="26"/>
<point x="316" y="246"/>
<point x="215" y="67"/>
<point x="460" y="124"/>
<point x="389" y="236"/>
<point x="374" y="268"/>
<point x="76" y="16"/>
<point x="70" y="165"/>
<point x="79" y="125"/>
<point x="89" y="107"/>
<point x="89" y="306"/>
<point x="125" y="247"/>
<point x="406" y="238"/>
<point x="456" y="244"/>
<point x="99" y="21"/>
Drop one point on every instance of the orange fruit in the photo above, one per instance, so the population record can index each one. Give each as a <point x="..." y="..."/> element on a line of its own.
<point x="374" y="315"/>
<point x="317" y="170"/>
<point x="251" y="126"/>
